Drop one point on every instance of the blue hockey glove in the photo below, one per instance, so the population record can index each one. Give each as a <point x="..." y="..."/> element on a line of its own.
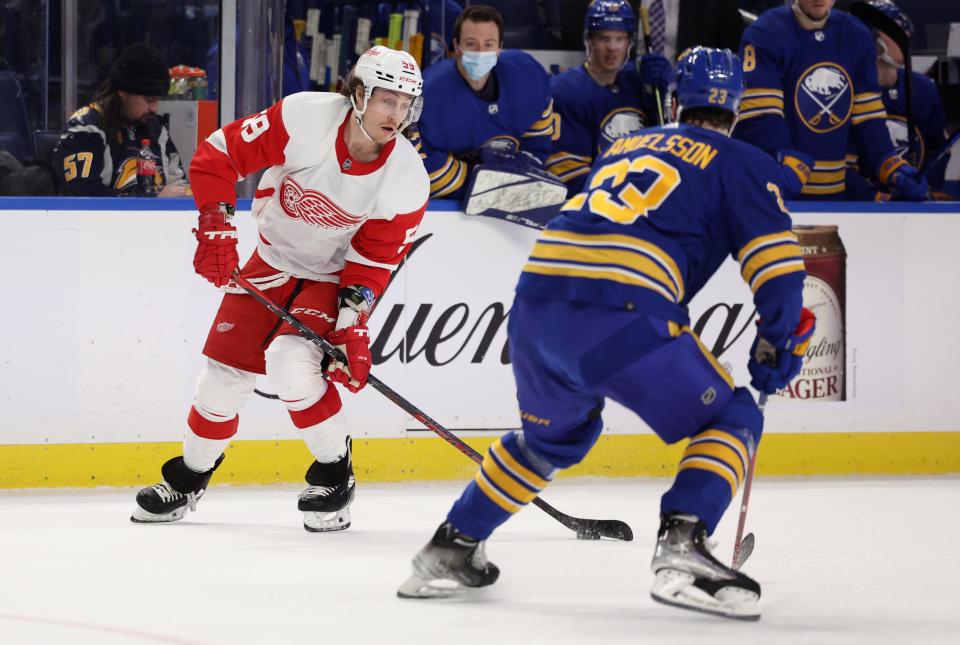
<point x="795" y="168"/>
<point x="519" y="161"/>
<point x="904" y="181"/>
<point x="656" y="71"/>
<point x="772" y="368"/>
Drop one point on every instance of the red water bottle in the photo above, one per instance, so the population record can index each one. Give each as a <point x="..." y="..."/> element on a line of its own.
<point x="146" y="170"/>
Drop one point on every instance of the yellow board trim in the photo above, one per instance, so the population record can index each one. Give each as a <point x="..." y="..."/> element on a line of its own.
<point x="432" y="459"/>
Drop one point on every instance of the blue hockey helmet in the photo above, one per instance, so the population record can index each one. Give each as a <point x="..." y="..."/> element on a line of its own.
<point x="615" y="15"/>
<point x="708" y="77"/>
<point x="893" y="12"/>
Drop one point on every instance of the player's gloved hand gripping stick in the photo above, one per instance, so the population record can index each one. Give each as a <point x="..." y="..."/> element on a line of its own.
<point x="586" y="529"/>
<point x="771" y="369"/>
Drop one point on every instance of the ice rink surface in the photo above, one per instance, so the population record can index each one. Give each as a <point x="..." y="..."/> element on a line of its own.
<point x="840" y="561"/>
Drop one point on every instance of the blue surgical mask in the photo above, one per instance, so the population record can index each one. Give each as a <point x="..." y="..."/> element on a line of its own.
<point x="478" y="64"/>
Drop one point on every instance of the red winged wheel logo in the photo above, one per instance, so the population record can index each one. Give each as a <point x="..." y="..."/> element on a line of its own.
<point x="314" y="208"/>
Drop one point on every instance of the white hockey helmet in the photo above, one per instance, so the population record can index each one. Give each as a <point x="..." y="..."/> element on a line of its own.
<point x="393" y="70"/>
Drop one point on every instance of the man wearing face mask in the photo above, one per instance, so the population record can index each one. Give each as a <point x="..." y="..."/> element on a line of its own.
<point x="484" y="104"/>
<point x="928" y="116"/>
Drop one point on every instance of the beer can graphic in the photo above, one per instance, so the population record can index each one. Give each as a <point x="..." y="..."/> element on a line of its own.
<point x="823" y="376"/>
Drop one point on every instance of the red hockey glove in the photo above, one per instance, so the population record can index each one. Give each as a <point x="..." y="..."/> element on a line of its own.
<point x="216" y="257"/>
<point x="772" y="368"/>
<point x="353" y="341"/>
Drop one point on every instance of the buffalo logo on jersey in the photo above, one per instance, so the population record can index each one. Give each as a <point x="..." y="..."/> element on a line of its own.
<point x="619" y="123"/>
<point x="314" y="208"/>
<point x="127" y="176"/>
<point x="824" y="97"/>
<point x="897" y="127"/>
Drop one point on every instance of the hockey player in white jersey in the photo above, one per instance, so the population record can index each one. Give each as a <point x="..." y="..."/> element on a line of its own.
<point x="336" y="212"/>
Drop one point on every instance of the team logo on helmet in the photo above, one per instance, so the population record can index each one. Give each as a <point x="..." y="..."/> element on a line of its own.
<point x="824" y="97"/>
<point x="897" y="127"/>
<point x="618" y="123"/>
<point x="314" y="208"/>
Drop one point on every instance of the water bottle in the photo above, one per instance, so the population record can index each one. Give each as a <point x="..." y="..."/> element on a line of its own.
<point x="146" y="170"/>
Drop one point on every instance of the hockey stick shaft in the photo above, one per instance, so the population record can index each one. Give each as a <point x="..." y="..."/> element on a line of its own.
<point x="931" y="164"/>
<point x="648" y="45"/>
<point x="745" y="502"/>
<point x="585" y="528"/>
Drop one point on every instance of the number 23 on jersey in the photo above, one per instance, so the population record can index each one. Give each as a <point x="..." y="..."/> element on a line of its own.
<point x="630" y="202"/>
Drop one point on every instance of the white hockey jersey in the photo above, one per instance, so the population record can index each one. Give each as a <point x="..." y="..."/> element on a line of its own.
<point x="321" y="215"/>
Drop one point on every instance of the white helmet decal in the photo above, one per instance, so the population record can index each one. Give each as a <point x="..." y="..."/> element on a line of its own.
<point x="390" y="69"/>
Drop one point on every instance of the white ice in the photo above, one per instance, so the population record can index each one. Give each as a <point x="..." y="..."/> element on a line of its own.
<point x="841" y="561"/>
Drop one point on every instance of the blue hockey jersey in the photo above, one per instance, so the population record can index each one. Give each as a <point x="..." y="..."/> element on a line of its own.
<point x="455" y="122"/>
<point x="929" y="129"/>
<point x="589" y="118"/>
<point x="661" y="211"/>
<point x="812" y="91"/>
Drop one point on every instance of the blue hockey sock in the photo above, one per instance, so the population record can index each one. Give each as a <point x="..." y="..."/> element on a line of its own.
<point x="508" y="480"/>
<point x="712" y="467"/>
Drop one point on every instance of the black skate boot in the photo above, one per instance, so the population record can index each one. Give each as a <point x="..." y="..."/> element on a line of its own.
<point x="325" y="502"/>
<point x="449" y="564"/>
<point x="179" y="492"/>
<point x="689" y="577"/>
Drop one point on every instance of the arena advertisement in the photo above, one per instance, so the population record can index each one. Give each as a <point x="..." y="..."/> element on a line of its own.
<point x="454" y="319"/>
<point x="110" y="352"/>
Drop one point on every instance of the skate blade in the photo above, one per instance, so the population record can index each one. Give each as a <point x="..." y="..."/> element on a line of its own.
<point x="316" y="522"/>
<point x="676" y="589"/>
<point x="419" y="587"/>
<point x="141" y="516"/>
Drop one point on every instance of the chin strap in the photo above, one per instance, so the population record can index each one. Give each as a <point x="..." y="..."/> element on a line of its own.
<point x="358" y="115"/>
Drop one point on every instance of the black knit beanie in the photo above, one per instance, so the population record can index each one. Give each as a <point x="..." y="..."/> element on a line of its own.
<point x="141" y="70"/>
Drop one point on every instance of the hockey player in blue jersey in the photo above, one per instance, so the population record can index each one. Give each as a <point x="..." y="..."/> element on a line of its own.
<point x="928" y="116"/>
<point x="483" y="100"/>
<point x="811" y="80"/>
<point x="606" y="97"/>
<point x="601" y="311"/>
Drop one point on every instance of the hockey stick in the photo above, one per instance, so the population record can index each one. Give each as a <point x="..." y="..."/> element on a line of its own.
<point x="930" y="165"/>
<point x="743" y="546"/>
<point x="878" y="20"/>
<point x="648" y="43"/>
<point x="585" y="529"/>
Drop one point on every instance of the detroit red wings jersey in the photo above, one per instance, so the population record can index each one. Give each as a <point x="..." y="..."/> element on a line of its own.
<point x="321" y="214"/>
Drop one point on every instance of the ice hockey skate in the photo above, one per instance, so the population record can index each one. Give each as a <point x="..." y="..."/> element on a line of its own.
<point x="448" y="565"/>
<point x="325" y="501"/>
<point x="178" y="493"/>
<point x="689" y="577"/>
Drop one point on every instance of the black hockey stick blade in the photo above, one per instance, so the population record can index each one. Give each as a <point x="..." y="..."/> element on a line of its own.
<point x="586" y="529"/>
<point x="746" y="548"/>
